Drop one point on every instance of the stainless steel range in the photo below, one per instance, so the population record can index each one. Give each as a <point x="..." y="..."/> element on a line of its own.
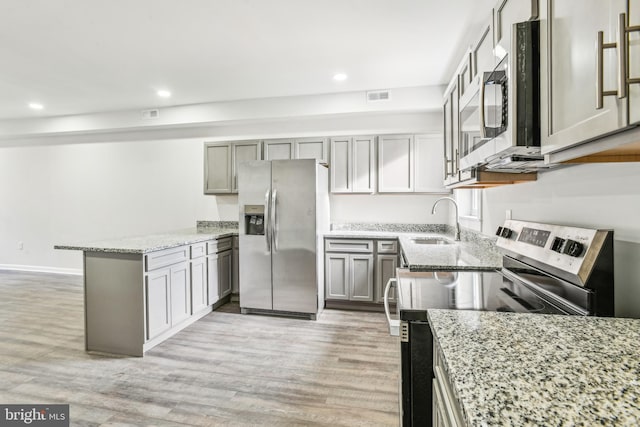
<point x="547" y="269"/>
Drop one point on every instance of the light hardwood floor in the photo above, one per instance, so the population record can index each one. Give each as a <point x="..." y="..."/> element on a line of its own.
<point x="226" y="369"/>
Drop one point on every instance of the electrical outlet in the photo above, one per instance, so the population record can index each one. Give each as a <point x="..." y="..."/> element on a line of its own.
<point x="20" y="246"/>
<point x="508" y="214"/>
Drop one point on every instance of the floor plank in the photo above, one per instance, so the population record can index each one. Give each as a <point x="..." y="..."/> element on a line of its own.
<point x="227" y="369"/>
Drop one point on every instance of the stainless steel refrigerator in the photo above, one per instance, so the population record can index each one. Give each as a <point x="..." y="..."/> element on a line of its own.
<point x="284" y="213"/>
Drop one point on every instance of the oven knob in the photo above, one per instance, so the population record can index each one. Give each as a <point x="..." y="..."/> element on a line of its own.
<point x="556" y="246"/>
<point x="506" y="232"/>
<point x="499" y="231"/>
<point x="573" y="248"/>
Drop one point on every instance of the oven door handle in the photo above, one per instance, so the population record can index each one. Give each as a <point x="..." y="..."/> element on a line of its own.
<point x="394" y="324"/>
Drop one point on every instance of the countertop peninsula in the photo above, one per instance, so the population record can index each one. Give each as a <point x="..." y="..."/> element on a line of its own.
<point x="541" y="370"/>
<point x="152" y="242"/>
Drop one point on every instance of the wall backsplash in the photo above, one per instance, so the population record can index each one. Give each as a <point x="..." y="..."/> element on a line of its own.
<point x="590" y="195"/>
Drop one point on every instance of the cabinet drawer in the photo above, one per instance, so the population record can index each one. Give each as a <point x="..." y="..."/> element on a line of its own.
<point x="348" y="245"/>
<point x="387" y="246"/>
<point x="198" y="250"/>
<point x="219" y="245"/>
<point x="166" y="257"/>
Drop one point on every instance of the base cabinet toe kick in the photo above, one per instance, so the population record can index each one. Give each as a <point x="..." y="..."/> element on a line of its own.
<point x="135" y="301"/>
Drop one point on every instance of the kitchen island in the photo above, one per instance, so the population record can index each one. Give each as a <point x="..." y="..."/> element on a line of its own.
<point x="141" y="290"/>
<point x="538" y="370"/>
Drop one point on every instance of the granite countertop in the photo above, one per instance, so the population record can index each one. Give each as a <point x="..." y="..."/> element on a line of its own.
<point x="474" y="252"/>
<point x="153" y="242"/>
<point x="540" y="370"/>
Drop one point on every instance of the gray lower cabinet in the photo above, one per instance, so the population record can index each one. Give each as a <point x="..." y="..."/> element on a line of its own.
<point x="446" y="409"/>
<point x="385" y="269"/>
<point x="213" y="293"/>
<point x="225" y="268"/>
<point x="220" y="267"/>
<point x="198" y="284"/>
<point x="235" y="274"/>
<point x="168" y="290"/>
<point x="135" y="301"/>
<point x="180" y="293"/>
<point x="358" y="269"/>
<point x="158" y="311"/>
<point x="349" y="276"/>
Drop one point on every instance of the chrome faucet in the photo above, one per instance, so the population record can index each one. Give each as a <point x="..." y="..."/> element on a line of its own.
<point x="433" y="211"/>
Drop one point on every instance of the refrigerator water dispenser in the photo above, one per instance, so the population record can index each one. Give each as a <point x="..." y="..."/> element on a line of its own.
<point x="254" y="219"/>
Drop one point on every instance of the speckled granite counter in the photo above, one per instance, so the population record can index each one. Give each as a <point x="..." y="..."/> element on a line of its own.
<point x="152" y="242"/>
<point x="474" y="252"/>
<point x="512" y="369"/>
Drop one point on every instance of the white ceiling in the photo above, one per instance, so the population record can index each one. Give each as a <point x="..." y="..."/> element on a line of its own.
<point x="79" y="56"/>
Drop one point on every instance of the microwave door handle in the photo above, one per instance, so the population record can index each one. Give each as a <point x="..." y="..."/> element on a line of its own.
<point x="267" y="225"/>
<point x="483" y="132"/>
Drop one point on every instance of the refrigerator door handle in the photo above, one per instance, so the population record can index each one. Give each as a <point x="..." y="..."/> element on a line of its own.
<point x="394" y="324"/>
<point x="274" y="219"/>
<point x="267" y="227"/>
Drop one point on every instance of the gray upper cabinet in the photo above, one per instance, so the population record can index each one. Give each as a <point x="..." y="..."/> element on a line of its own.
<point x="451" y="132"/>
<point x="482" y="55"/>
<point x="633" y="57"/>
<point x="217" y="168"/>
<point x="505" y="14"/>
<point x="570" y="113"/>
<point x="353" y="164"/>
<point x="298" y="148"/>
<point x="242" y="152"/>
<point x="395" y="164"/>
<point x="311" y="148"/>
<point x="428" y="164"/>
<point x="278" y="149"/>
<point x="221" y="161"/>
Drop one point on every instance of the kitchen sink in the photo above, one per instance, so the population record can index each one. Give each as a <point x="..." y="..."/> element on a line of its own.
<point x="432" y="241"/>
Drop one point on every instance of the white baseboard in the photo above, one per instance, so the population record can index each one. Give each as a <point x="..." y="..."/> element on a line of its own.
<point x="42" y="269"/>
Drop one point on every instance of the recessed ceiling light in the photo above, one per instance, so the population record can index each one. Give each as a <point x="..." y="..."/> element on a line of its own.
<point x="36" y="106"/>
<point x="340" y="77"/>
<point x="164" y="94"/>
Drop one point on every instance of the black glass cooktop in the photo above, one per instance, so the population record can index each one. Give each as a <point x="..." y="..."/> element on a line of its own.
<point x="467" y="290"/>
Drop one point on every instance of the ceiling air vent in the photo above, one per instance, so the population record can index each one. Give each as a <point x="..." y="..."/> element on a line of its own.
<point x="378" y="95"/>
<point x="150" y="114"/>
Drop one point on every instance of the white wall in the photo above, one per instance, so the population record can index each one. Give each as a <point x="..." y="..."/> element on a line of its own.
<point x="391" y="208"/>
<point x="590" y="195"/>
<point x="77" y="188"/>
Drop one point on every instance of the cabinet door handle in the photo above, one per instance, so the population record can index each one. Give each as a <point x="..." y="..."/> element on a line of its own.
<point x="622" y="38"/>
<point x="623" y="52"/>
<point x="600" y="48"/>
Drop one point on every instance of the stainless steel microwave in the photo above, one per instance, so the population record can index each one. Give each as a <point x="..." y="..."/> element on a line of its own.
<point x="500" y="118"/>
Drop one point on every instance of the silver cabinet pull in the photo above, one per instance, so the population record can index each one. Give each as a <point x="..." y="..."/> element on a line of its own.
<point x="623" y="52"/>
<point x="267" y="225"/>
<point x="600" y="48"/>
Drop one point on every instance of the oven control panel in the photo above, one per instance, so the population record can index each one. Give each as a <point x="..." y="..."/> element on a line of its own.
<point x="570" y="249"/>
